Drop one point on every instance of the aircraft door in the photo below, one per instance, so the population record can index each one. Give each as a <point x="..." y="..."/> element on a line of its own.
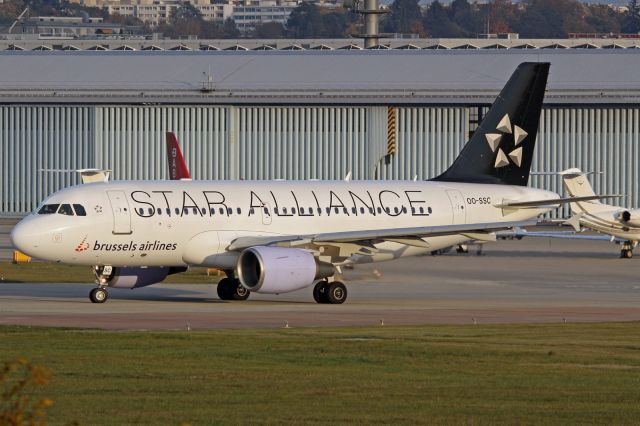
<point x="457" y="206"/>
<point x="266" y="214"/>
<point x="121" y="212"/>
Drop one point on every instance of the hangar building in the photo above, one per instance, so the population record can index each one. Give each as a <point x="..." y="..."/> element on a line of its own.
<point x="312" y="114"/>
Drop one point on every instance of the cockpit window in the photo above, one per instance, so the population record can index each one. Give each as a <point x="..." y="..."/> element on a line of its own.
<point x="65" y="209"/>
<point x="48" y="209"/>
<point x="80" y="211"/>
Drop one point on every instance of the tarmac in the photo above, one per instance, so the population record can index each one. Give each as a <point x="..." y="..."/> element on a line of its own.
<point x="535" y="280"/>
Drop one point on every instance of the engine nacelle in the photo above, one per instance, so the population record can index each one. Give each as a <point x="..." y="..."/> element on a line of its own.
<point x="279" y="270"/>
<point x="132" y="277"/>
<point x="629" y="217"/>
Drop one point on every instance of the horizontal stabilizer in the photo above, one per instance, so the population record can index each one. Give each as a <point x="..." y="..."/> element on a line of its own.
<point x="552" y="202"/>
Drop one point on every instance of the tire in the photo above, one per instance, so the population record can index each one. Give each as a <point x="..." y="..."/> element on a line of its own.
<point x="628" y="254"/>
<point x="320" y="292"/>
<point x="336" y="293"/>
<point x="98" y="295"/>
<point x="238" y="292"/>
<point x="224" y="289"/>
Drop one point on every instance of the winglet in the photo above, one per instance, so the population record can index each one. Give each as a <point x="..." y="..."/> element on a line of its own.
<point x="574" y="221"/>
<point x="177" y="166"/>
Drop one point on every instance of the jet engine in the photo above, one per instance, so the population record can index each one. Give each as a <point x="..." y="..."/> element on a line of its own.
<point x="279" y="270"/>
<point x="629" y="217"/>
<point x="132" y="277"/>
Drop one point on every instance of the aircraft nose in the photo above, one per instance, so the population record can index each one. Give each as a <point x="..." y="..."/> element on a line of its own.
<point x="25" y="237"/>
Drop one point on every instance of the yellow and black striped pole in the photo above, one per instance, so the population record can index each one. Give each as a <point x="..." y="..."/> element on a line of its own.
<point x="391" y="133"/>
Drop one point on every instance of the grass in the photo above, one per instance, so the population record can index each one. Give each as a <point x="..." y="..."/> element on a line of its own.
<point x="513" y="374"/>
<point x="47" y="272"/>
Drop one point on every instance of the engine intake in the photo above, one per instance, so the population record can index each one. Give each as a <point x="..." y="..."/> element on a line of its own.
<point x="629" y="217"/>
<point x="279" y="270"/>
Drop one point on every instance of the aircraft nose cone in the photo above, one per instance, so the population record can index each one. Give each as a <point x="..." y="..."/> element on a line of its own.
<point x="24" y="237"/>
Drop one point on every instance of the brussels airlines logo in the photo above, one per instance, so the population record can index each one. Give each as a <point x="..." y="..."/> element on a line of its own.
<point x="83" y="246"/>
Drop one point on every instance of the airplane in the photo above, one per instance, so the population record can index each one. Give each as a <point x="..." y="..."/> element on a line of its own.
<point x="280" y="236"/>
<point x="622" y="225"/>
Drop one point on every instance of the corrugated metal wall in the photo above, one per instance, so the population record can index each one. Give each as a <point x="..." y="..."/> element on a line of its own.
<point x="291" y="143"/>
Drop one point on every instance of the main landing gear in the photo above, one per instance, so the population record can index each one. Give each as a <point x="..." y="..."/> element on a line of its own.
<point x="627" y="250"/>
<point x="231" y="289"/>
<point x="103" y="274"/>
<point x="334" y="293"/>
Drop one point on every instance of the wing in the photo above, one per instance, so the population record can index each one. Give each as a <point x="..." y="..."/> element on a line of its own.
<point x="340" y="245"/>
<point x="571" y="235"/>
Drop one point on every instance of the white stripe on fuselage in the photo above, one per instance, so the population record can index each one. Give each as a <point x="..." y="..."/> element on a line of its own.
<point x="166" y="215"/>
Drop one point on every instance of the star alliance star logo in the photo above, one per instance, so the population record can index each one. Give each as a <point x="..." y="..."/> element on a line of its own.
<point x="493" y="139"/>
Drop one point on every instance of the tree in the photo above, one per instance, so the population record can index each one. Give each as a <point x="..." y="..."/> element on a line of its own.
<point x="631" y="21"/>
<point x="438" y="24"/>
<point x="305" y="21"/>
<point x="269" y="30"/>
<point x="230" y="29"/>
<point x="403" y="17"/>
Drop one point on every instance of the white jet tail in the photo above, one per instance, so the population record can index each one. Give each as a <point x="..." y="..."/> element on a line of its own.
<point x="577" y="185"/>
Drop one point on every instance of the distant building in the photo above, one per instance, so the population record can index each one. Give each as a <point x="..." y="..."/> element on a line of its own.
<point x="55" y="26"/>
<point x="159" y="11"/>
<point x="251" y="13"/>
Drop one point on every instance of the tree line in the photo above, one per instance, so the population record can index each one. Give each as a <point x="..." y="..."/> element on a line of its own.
<point x="529" y="18"/>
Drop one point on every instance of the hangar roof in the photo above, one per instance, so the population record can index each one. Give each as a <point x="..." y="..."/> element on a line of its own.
<point x="581" y="76"/>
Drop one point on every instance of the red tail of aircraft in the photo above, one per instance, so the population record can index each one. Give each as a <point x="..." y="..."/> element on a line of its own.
<point x="177" y="166"/>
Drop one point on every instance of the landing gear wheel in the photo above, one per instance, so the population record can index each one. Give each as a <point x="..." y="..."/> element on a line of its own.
<point x="231" y="289"/>
<point x="224" y="289"/>
<point x="98" y="295"/>
<point x="336" y="293"/>
<point x="239" y="292"/>
<point x="320" y="292"/>
<point x="626" y="254"/>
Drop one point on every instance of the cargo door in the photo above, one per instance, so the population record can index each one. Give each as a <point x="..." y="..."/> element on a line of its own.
<point x="121" y="212"/>
<point x="457" y="206"/>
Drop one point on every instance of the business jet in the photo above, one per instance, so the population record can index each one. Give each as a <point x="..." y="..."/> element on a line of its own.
<point x="280" y="236"/>
<point x="618" y="224"/>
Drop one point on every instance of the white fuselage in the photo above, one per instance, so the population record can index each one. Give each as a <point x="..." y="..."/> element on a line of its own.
<point x="177" y="223"/>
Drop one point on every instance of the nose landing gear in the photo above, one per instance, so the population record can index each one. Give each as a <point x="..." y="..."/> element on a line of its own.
<point x="103" y="275"/>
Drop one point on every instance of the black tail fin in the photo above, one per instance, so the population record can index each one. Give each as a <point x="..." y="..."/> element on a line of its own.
<point x="501" y="149"/>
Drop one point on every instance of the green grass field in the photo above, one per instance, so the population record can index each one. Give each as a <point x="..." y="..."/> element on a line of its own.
<point x="46" y="272"/>
<point x="502" y="374"/>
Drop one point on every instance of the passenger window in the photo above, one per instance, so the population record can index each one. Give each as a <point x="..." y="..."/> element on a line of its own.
<point x="379" y="210"/>
<point x="195" y="210"/>
<point x="388" y="210"/>
<point x="275" y="210"/>
<point x="141" y="211"/>
<point x="168" y="211"/>
<point x="337" y="210"/>
<point x="395" y="210"/>
<point x="66" y="210"/>
<point x="293" y="210"/>
<point x="229" y="211"/>
<point x="238" y="210"/>
<point x="429" y="210"/>
<point x="421" y="209"/>
<point x="371" y="210"/>
<point x="284" y="209"/>
<point x="203" y="211"/>
<point x="251" y="211"/>
<point x="362" y="210"/>
<point x="185" y="212"/>
<point x="159" y="211"/>
<point x="266" y="210"/>
<point x="301" y="210"/>
<point x="150" y="211"/>
<point x="80" y="211"/>
<point x="319" y="211"/>
<point x="353" y="210"/>
<point x="212" y="211"/>
<point x="345" y="211"/>
<point x="177" y="210"/>
<point x="413" y="210"/>
<point x="48" y="209"/>
<point x="221" y="210"/>
<point x="328" y="210"/>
